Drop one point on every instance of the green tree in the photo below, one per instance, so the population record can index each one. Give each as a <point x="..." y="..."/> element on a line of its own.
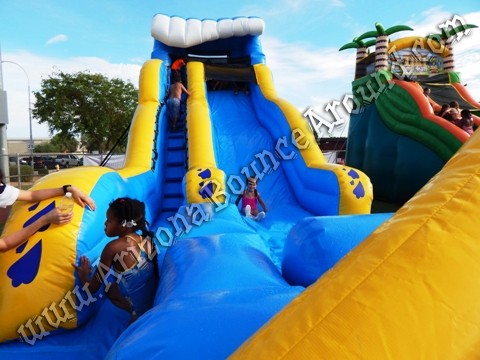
<point x="57" y="144"/>
<point x="87" y="106"/>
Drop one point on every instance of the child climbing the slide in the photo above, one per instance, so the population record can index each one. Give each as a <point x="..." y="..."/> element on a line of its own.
<point x="250" y="197"/>
<point x="127" y="263"/>
<point x="174" y="101"/>
<point x="176" y="68"/>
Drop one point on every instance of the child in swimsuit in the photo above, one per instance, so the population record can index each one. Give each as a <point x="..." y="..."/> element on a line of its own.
<point x="127" y="265"/>
<point x="250" y="197"/>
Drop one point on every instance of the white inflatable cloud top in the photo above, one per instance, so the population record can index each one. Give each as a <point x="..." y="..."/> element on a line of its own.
<point x="178" y="32"/>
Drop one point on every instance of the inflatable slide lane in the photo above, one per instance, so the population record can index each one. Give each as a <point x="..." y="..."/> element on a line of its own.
<point x="326" y="189"/>
<point x="446" y="88"/>
<point x="395" y="136"/>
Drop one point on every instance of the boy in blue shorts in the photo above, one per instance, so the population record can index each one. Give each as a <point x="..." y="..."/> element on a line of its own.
<point x="174" y="100"/>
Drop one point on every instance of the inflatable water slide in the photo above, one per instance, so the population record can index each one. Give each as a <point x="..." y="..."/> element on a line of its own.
<point x="220" y="273"/>
<point x="395" y="135"/>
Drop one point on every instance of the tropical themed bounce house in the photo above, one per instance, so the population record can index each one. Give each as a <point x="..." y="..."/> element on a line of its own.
<point x="319" y="277"/>
<point x="397" y="136"/>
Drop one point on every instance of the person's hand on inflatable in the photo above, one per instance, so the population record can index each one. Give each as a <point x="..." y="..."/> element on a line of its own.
<point x="81" y="198"/>
<point x="84" y="269"/>
<point x="57" y="217"/>
<point x="42" y="194"/>
<point x="16" y="238"/>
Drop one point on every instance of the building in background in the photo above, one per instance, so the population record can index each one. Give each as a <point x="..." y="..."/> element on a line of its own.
<point x="20" y="145"/>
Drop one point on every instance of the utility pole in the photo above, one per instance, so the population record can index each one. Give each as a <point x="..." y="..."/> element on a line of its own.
<point x="4" y="163"/>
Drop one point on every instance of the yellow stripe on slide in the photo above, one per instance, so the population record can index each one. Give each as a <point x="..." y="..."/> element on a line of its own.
<point x="203" y="176"/>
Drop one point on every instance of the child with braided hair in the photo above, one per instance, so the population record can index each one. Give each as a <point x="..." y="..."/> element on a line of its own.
<point x="127" y="264"/>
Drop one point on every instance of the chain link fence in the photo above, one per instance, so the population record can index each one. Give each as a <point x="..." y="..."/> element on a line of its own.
<point x="25" y="169"/>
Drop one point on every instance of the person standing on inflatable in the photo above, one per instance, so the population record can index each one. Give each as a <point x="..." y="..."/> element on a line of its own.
<point x="175" y="100"/>
<point x="10" y="194"/>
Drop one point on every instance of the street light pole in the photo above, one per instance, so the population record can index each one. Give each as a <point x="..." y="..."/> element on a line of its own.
<point x="30" y="144"/>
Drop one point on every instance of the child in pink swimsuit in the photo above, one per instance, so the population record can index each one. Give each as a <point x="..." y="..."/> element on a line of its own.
<point x="249" y="198"/>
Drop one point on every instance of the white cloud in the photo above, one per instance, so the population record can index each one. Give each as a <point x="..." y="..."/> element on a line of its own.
<point x="282" y="10"/>
<point x="302" y="5"/>
<point x="304" y="75"/>
<point x="57" y="39"/>
<point x="311" y="77"/>
<point x="337" y="3"/>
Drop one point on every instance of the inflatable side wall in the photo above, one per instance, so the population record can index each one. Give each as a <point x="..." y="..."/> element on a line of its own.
<point x="326" y="189"/>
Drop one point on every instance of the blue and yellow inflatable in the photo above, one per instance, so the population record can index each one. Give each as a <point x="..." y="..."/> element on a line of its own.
<point x="227" y="269"/>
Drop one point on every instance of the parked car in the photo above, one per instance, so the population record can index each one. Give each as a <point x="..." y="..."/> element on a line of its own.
<point x="67" y="160"/>
<point x="41" y="162"/>
<point x="49" y="162"/>
<point x="12" y="161"/>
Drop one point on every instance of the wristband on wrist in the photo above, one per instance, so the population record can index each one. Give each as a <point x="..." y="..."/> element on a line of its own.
<point x="65" y="188"/>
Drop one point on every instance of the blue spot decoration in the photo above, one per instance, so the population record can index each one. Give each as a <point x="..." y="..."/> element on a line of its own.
<point x="359" y="190"/>
<point x="353" y="174"/>
<point x="22" y="247"/>
<point x="33" y="207"/>
<point x="42" y="212"/>
<point x="25" y="269"/>
<point x="205" y="174"/>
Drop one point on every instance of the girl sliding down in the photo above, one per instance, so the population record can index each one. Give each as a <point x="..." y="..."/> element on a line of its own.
<point x="250" y="197"/>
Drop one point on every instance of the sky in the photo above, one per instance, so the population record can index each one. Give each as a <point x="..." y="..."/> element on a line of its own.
<point x="300" y="42"/>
